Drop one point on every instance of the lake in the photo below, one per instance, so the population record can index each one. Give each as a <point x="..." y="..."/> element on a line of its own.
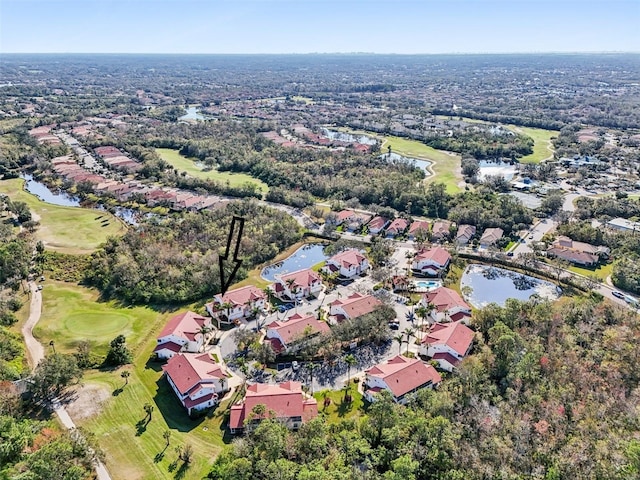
<point x="45" y="194"/>
<point x="503" y="169"/>
<point x="422" y="164"/>
<point x="348" y="137"/>
<point x="495" y="285"/>
<point x="192" y="114"/>
<point x="305" y="257"/>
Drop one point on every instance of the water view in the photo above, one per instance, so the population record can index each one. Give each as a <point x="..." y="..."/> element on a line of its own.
<point x="305" y="257"/>
<point x="192" y="114"/>
<point x="348" y="137"/>
<point x="488" y="284"/>
<point x="426" y="285"/>
<point x="423" y="164"/>
<point x="45" y="194"/>
<point x="503" y="169"/>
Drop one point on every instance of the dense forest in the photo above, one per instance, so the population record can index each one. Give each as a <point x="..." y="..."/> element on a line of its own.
<point x="550" y="392"/>
<point x="175" y="258"/>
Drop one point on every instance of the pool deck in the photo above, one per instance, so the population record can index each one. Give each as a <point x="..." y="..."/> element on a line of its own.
<point x="424" y="289"/>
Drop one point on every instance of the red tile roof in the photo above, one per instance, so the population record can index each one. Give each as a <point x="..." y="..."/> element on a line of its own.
<point x="402" y="375"/>
<point x="441" y="228"/>
<point x="437" y="254"/>
<point x="377" y="223"/>
<point x="357" y="304"/>
<point x="455" y="335"/>
<point x="174" y="347"/>
<point x="344" y="215"/>
<point x="445" y="299"/>
<point x="188" y="369"/>
<point x="240" y="296"/>
<point x="418" y="225"/>
<point x="301" y="278"/>
<point x="398" y="225"/>
<point x="295" y="327"/>
<point x="285" y="399"/>
<point x="347" y="258"/>
<point x="447" y="357"/>
<point x="185" y="325"/>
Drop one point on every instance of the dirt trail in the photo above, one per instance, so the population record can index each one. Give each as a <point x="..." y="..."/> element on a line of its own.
<point x="34" y="347"/>
<point x="36" y="354"/>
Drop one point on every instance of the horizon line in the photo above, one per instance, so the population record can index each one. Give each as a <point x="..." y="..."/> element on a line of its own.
<point x="550" y="52"/>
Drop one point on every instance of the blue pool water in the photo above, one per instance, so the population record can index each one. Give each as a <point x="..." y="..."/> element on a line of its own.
<point x="305" y="257"/>
<point x="424" y="285"/>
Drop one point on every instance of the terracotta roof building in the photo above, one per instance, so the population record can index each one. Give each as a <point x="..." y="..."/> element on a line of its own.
<point x="447" y="304"/>
<point x="242" y="303"/>
<point x="347" y="264"/>
<point x="401" y="376"/>
<point x="447" y="343"/>
<point x="196" y="379"/>
<point x="283" y="335"/>
<point x="353" y="306"/>
<point x="285" y="401"/>
<point x="183" y="332"/>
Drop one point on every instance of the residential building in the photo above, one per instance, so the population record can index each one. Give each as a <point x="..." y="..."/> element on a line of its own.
<point x="285" y="402"/>
<point x="196" y="379"/>
<point x="465" y="234"/>
<point x="441" y="230"/>
<point x="401" y="376"/>
<point x="417" y="229"/>
<point x="347" y="264"/>
<point x="573" y="256"/>
<point x="431" y="262"/>
<point x="286" y="334"/>
<point x="490" y="237"/>
<point x="446" y="305"/>
<point x="353" y="306"/>
<point x="237" y="304"/>
<point x="297" y="285"/>
<point x="182" y="333"/>
<point x="344" y="216"/>
<point x="376" y="225"/>
<point x="447" y="343"/>
<point x="357" y="221"/>
<point x="624" y="225"/>
<point x="397" y="227"/>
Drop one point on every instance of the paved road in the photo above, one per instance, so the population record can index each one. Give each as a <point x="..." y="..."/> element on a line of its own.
<point x="36" y="354"/>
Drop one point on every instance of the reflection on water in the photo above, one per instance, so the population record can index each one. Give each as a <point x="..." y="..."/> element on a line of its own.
<point x="46" y="195"/>
<point x="488" y="284"/>
<point x="305" y="257"/>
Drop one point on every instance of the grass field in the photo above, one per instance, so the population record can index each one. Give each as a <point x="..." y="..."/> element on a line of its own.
<point x="445" y="166"/>
<point x="542" y="146"/>
<point x="602" y="272"/>
<point x="184" y="164"/>
<point x="71" y="313"/>
<point x="66" y="229"/>
<point x="339" y="409"/>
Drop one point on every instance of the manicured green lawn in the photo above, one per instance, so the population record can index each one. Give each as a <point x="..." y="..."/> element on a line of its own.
<point x="602" y="272"/>
<point x="339" y="409"/>
<point x="66" y="229"/>
<point x="184" y="164"/>
<point x="542" y="146"/>
<point x="71" y="313"/>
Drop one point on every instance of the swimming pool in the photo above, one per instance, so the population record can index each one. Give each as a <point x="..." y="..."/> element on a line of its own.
<point x="426" y="285"/>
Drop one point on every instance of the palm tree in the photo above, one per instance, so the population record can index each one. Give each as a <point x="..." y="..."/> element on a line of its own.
<point x="125" y="374"/>
<point x="422" y="313"/>
<point x="350" y="360"/>
<point x="148" y="408"/>
<point x="227" y="307"/>
<point x="400" y="339"/>
<point x="410" y="333"/>
<point x="290" y="282"/>
<point x="167" y="437"/>
<point x="204" y="330"/>
<point x="311" y="367"/>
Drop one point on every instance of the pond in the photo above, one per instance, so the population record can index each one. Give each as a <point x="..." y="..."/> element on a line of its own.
<point x="422" y="164"/>
<point x="495" y="285"/>
<point x="503" y="169"/>
<point x="192" y="114"/>
<point x="348" y="137"/>
<point x="45" y="194"/>
<point x="305" y="257"/>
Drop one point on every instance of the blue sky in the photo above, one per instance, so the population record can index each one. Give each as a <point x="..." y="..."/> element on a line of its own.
<point x="304" y="26"/>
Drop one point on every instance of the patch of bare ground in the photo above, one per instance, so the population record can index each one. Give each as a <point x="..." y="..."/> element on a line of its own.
<point x="86" y="401"/>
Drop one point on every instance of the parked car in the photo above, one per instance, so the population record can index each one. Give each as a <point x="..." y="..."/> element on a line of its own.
<point x="394" y="325"/>
<point x="295" y="365"/>
<point x="617" y="294"/>
<point x="39" y="287"/>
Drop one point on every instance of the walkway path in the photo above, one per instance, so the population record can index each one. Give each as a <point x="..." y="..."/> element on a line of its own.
<point x="36" y="354"/>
